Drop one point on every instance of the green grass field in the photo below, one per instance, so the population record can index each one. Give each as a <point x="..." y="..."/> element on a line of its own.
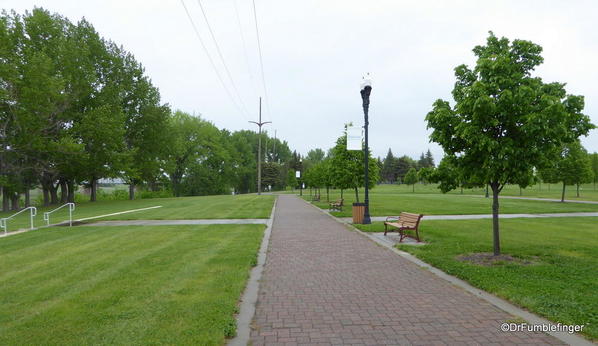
<point x="124" y="285"/>
<point x="392" y="199"/>
<point x="203" y="207"/>
<point x="562" y="283"/>
<point x="587" y="191"/>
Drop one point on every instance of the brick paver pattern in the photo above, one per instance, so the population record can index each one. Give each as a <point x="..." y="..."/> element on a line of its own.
<point x="325" y="284"/>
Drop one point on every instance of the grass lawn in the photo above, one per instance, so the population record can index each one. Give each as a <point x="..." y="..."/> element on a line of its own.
<point x="588" y="192"/>
<point x="124" y="285"/>
<point x="392" y="199"/>
<point x="562" y="283"/>
<point x="202" y="207"/>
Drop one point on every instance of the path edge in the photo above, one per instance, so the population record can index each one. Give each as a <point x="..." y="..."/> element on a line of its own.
<point x="250" y="294"/>
<point x="531" y="318"/>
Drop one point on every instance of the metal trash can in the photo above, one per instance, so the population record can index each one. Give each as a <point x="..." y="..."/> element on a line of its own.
<point x="358" y="212"/>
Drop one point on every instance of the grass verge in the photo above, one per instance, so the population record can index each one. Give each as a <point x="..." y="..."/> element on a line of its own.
<point x="124" y="285"/>
<point x="559" y="284"/>
<point x="384" y="202"/>
<point x="202" y="207"/>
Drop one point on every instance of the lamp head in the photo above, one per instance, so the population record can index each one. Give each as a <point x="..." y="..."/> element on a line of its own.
<point x="366" y="81"/>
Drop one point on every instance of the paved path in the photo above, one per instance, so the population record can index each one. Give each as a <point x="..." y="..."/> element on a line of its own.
<point x="324" y="284"/>
<point x="487" y="216"/>
<point x="178" y="222"/>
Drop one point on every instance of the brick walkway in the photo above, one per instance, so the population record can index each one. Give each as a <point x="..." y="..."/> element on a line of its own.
<point x="323" y="284"/>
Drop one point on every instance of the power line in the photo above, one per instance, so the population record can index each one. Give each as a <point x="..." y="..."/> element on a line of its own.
<point x="230" y="96"/>
<point x="203" y="12"/>
<point x="259" y="47"/>
<point x="242" y="39"/>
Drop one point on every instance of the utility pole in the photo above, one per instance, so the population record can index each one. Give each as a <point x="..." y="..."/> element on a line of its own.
<point x="259" y="149"/>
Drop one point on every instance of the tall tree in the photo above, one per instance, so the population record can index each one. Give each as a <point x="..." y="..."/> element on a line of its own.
<point x="388" y="172"/>
<point x="505" y="122"/>
<point x="594" y="160"/>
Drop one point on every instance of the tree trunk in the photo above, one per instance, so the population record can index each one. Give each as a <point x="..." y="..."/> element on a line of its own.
<point x="131" y="191"/>
<point x="46" y="196"/>
<point x="356" y="195"/>
<point x="461" y="189"/>
<point x="27" y="198"/>
<point x="53" y="194"/>
<point x="5" y="200"/>
<point x="520" y="191"/>
<point x="577" y="190"/>
<point x="64" y="193"/>
<point x="413" y="188"/>
<point x="563" y="195"/>
<point x="487" y="193"/>
<point x="341" y="193"/>
<point x="94" y="188"/>
<point x="71" y="191"/>
<point x="15" y="201"/>
<point x="495" y="229"/>
<point x="327" y="194"/>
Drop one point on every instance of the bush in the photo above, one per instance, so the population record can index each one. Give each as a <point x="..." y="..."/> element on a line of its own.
<point x="154" y="194"/>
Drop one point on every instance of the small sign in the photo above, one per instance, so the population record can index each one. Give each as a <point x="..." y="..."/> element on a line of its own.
<point x="354" y="138"/>
<point x="297" y="174"/>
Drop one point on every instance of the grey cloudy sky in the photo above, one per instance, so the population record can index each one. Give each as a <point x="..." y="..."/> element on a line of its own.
<point x="315" y="52"/>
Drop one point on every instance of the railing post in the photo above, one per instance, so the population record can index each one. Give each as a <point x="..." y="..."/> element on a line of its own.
<point x="32" y="213"/>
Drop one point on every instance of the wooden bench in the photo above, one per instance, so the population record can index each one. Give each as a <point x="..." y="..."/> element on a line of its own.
<point x="337" y="205"/>
<point x="315" y="198"/>
<point x="403" y="222"/>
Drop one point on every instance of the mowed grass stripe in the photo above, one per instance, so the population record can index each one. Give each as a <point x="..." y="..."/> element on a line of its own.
<point x="83" y="275"/>
<point x="147" y="285"/>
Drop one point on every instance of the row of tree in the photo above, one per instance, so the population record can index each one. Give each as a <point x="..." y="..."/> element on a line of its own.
<point x="339" y="168"/>
<point x="395" y="169"/>
<point x="76" y="108"/>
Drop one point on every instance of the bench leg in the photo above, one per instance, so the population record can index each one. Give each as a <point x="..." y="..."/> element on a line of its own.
<point x="385" y="229"/>
<point x="417" y="235"/>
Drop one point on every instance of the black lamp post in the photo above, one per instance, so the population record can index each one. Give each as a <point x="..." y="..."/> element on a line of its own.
<point x="366" y="89"/>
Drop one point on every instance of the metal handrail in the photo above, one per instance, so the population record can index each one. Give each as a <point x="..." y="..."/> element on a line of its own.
<point x="71" y="209"/>
<point x="3" y="221"/>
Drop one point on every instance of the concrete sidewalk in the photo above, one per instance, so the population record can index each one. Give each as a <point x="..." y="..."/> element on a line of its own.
<point x="324" y="284"/>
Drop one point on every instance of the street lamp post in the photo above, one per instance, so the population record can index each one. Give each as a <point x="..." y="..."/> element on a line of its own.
<point x="366" y="89"/>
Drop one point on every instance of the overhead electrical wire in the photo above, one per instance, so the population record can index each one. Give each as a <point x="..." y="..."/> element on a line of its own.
<point x="259" y="48"/>
<point x="230" y="77"/>
<point x="242" y="39"/>
<point x="212" y="61"/>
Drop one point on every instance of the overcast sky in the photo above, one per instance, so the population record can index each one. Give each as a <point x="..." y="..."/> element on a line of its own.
<point x="315" y="52"/>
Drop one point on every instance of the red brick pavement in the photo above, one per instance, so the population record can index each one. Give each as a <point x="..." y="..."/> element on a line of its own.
<point x="324" y="284"/>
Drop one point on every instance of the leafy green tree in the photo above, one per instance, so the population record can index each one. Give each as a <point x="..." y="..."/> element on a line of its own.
<point x="347" y="167"/>
<point x="411" y="177"/>
<point x="424" y="174"/>
<point x="573" y="167"/>
<point x="505" y="122"/>
<point x="402" y="166"/>
<point x="594" y="160"/>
